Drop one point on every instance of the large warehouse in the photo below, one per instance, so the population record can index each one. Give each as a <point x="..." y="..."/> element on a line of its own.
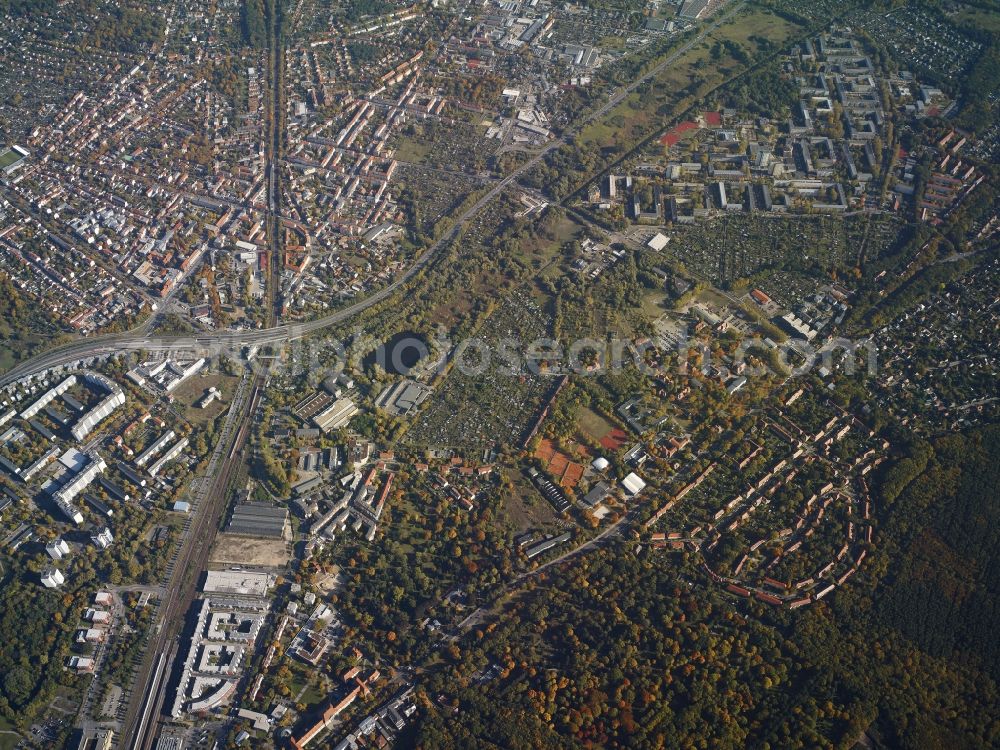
<point x="258" y="519"/>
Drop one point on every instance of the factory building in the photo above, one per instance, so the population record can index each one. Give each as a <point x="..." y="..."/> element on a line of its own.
<point x="258" y="519"/>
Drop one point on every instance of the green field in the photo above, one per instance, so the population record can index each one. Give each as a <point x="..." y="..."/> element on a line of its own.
<point x="7" y="358"/>
<point x="592" y="424"/>
<point x="977" y="18"/>
<point x="9" y="156"/>
<point x="192" y="391"/>
<point x="413" y="150"/>
<point x="653" y="305"/>
<point x="8" y="735"/>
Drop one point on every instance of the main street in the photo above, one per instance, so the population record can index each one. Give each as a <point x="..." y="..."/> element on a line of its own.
<point x="149" y="699"/>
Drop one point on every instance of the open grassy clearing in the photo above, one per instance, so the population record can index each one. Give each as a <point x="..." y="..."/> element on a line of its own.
<point x="191" y="392"/>
<point x="540" y="251"/>
<point x="592" y="424"/>
<point x="525" y="507"/>
<point x="653" y="305"/>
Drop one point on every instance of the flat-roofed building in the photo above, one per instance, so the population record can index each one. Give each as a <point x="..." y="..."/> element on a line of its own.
<point x="169" y="742"/>
<point x="544" y="546"/>
<point x="403" y="397"/>
<point x="52" y="578"/>
<point x="242" y="582"/>
<point x="57" y="548"/>
<point x="258" y="519"/>
<point x="337" y="415"/>
<point x="633" y="484"/>
<point x="658" y="242"/>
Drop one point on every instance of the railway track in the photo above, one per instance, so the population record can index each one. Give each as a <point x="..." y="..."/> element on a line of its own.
<point x="148" y="696"/>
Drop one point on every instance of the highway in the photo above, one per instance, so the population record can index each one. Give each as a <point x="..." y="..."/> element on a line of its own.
<point x="133" y="341"/>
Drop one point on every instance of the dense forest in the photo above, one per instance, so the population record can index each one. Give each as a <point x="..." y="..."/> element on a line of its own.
<point x="905" y="654"/>
<point x="23" y="327"/>
<point x="125" y="29"/>
<point x="979" y="112"/>
<point x="23" y="7"/>
<point x="253" y="23"/>
<point x="358" y="9"/>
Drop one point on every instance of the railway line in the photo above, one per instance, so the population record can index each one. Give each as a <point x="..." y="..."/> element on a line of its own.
<point x="148" y="696"/>
<point x="143" y="715"/>
<point x="275" y="333"/>
<point x="272" y="155"/>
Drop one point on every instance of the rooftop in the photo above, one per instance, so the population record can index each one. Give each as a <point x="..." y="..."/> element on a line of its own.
<point x="243" y="582"/>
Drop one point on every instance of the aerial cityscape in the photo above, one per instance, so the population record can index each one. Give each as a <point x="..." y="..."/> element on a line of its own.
<point x="504" y="375"/>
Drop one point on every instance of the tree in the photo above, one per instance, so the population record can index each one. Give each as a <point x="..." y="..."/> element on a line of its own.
<point x="18" y="684"/>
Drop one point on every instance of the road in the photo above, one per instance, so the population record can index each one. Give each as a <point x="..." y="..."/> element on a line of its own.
<point x="614" y="530"/>
<point x="137" y="338"/>
<point x="615" y="99"/>
<point x="147" y="696"/>
<point x="272" y="155"/>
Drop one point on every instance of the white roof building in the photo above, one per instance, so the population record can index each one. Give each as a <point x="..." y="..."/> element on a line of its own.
<point x="658" y="242"/>
<point x="243" y="582"/>
<point x="52" y="578"/>
<point x="57" y="548"/>
<point x="103" y="538"/>
<point x="633" y="484"/>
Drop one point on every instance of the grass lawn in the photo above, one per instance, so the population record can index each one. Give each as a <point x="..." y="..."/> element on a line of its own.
<point x="413" y="150"/>
<point x="313" y="695"/>
<point x="540" y="251"/>
<point x="653" y="305"/>
<point x="8" y="157"/>
<point x="713" y="298"/>
<point x="191" y="391"/>
<point x="8" y="735"/>
<point x="612" y="42"/>
<point x="592" y="424"/>
<point x="525" y="507"/>
<point x="7" y="359"/>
